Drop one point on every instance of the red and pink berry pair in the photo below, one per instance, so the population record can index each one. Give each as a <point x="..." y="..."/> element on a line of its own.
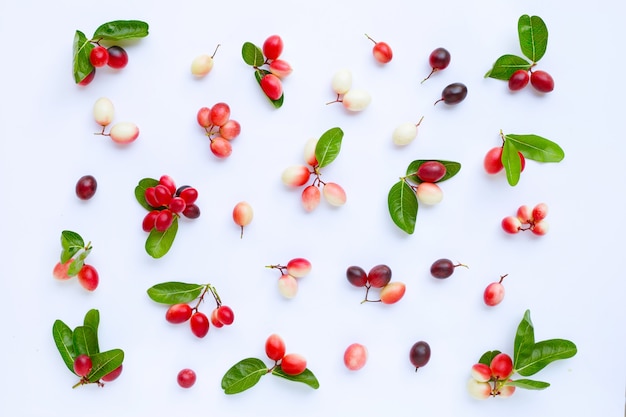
<point x="289" y="274"/>
<point x="490" y="380"/>
<point x="219" y="127"/>
<point x="167" y="203"/>
<point x="527" y="218"/>
<point x="540" y="80"/>
<point x="83" y="365"/>
<point x="378" y="277"/>
<point x="291" y="364"/>
<point x="271" y="83"/>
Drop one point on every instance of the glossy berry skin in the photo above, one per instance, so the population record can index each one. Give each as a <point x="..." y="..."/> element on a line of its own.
<point x="82" y="365"/>
<point x="542" y="81"/>
<point x="177" y="205"/>
<point x="272" y="86"/>
<point x="113" y="375"/>
<point x="382" y="51"/>
<point x="178" y="313"/>
<point x="404" y="134"/>
<point x="219" y="114"/>
<point x="189" y="194"/>
<point x="149" y="220"/>
<point x="99" y="56"/>
<point x="225" y="315"/>
<point x="164" y="220"/>
<point x="293" y="364"/>
<point x="419" y="355"/>
<point x="296" y="175"/>
<point x="118" y="58"/>
<point x="60" y="270"/>
<point x="501" y="366"/>
<point x="186" y="378"/>
<point x="481" y="372"/>
<point x="511" y="224"/>
<point x="356" y="276"/>
<point x="311" y="197"/>
<point x="355" y="356"/>
<point x="493" y="160"/>
<point x="103" y="111"/>
<point x="453" y="94"/>
<point x="280" y="68"/>
<point x="442" y="268"/>
<point x="356" y="99"/>
<point x="540" y="212"/>
<point x="86" y="187"/>
<point x="524" y="214"/>
<point x="199" y="323"/>
<point x="540" y="228"/>
<point x="168" y="182"/>
<point x="392" y="292"/>
<point x="309" y="151"/>
<point x="88" y="277"/>
<point x="221" y="147"/>
<point x="88" y="79"/>
<point x="519" y="79"/>
<point x="192" y="211"/>
<point x="439" y="59"/>
<point x="242" y="215"/>
<point x="124" y="132"/>
<point x="342" y="81"/>
<point x="429" y="193"/>
<point x="273" y="47"/>
<point x="379" y="276"/>
<point x="230" y="130"/>
<point x="275" y="347"/>
<point x="431" y="171"/>
<point x="494" y="293"/>
<point x="215" y="321"/>
<point x="202" y="65"/>
<point x="298" y="267"/>
<point x="203" y="117"/>
<point x="162" y="194"/>
<point x="287" y="286"/>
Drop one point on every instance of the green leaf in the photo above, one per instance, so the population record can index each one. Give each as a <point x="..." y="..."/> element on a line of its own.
<point x="452" y="168"/>
<point x="544" y="353"/>
<point x="533" y="37"/>
<point x="71" y="242"/>
<point x="92" y="320"/>
<point x="537" y="148"/>
<point x="528" y="384"/>
<point x="506" y="65"/>
<point x="487" y="357"/>
<point x="175" y="292"/>
<point x="305" y="377"/>
<point x="85" y="341"/>
<point x="81" y="65"/>
<point x="524" y="338"/>
<point x="512" y="163"/>
<point x="75" y="266"/>
<point x="140" y="191"/>
<point x="243" y="375"/>
<point x="258" y="74"/>
<point x="328" y="146"/>
<point x="403" y="206"/>
<point x="252" y="54"/>
<point x="121" y="29"/>
<point x="104" y="363"/>
<point x="64" y="341"/>
<point x="159" y="243"/>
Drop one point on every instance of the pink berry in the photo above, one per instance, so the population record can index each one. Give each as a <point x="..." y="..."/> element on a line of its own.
<point x="540" y="211"/>
<point x="542" y="81"/>
<point x="88" y="277"/>
<point x="524" y="214"/>
<point x="429" y="193"/>
<point x="355" y="356"/>
<point x="506" y="391"/>
<point x="113" y="375"/>
<point x="296" y="175"/>
<point x="511" y="224"/>
<point x="273" y="47"/>
<point x="215" y="321"/>
<point x="382" y="51"/>
<point x="86" y="187"/>
<point x="293" y="364"/>
<point x="221" y="147"/>
<point x="494" y="293"/>
<point x="82" y="365"/>
<point x="310" y="197"/>
<point x="287" y="286"/>
<point x="204" y="117"/>
<point x="481" y="372"/>
<point x="392" y="292"/>
<point x="230" y="130"/>
<point x="280" y="68"/>
<point x="118" y="58"/>
<point x="60" y="270"/>
<point x="186" y="378"/>
<point x="272" y="86"/>
<point x="501" y="366"/>
<point x="493" y="160"/>
<point x="334" y="194"/>
<point x="242" y="214"/>
<point x="298" y="267"/>
<point x="220" y="114"/>
<point x="519" y="80"/>
<point x="99" y="56"/>
<point x="540" y="228"/>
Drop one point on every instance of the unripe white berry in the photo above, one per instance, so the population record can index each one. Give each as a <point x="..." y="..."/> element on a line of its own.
<point x="429" y="193"/>
<point x="202" y="65"/>
<point x="124" y="132"/>
<point x="342" y="81"/>
<point x="356" y="100"/>
<point x="103" y="111"/>
<point x="404" y="133"/>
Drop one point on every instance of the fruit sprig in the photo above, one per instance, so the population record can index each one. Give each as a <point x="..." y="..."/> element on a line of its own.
<point x="353" y="99"/>
<point x="179" y="295"/>
<point x="518" y="71"/>
<point x="165" y="204"/>
<point x="269" y="70"/>
<point x="318" y="153"/>
<point x="515" y="149"/>
<point x="289" y="274"/>
<point x="492" y="374"/>
<point x="89" y="53"/>
<point x="248" y="372"/>
<point x="528" y="219"/>
<point x="378" y="277"/>
<point x="72" y="263"/>
<point x="219" y="128"/>
<point x="418" y="185"/>
<point x="121" y="132"/>
<point x="80" y="351"/>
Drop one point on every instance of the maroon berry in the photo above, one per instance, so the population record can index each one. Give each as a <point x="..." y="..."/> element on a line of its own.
<point x="519" y="80"/>
<point x="113" y="374"/>
<point x="118" y="58"/>
<point x="82" y="365"/>
<point x="431" y="171"/>
<point x="86" y="187"/>
<point x="453" y="93"/>
<point x="89" y="78"/>
<point x="356" y="276"/>
<point x="379" y="276"/>
<point x="192" y="211"/>
<point x="542" y="81"/>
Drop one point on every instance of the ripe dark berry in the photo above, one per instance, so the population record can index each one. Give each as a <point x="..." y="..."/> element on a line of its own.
<point x="192" y="211"/>
<point x="199" y="323"/>
<point x="99" y="56"/>
<point x="113" y="374"/>
<point x="453" y="93"/>
<point x="82" y="365"/>
<point x="519" y="80"/>
<point x="86" y="187"/>
<point x="443" y="268"/>
<point x="431" y="171"/>
<point x="438" y="59"/>
<point x="379" y="276"/>
<point x="419" y="355"/>
<point x="88" y="79"/>
<point x="118" y="58"/>
<point x="356" y="276"/>
<point x="542" y="81"/>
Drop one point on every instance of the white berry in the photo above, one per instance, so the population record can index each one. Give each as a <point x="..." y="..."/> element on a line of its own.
<point x="103" y="111"/>
<point x="404" y="134"/>
<point x="342" y="81"/>
<point x="124" y="132"/>
<point x="356" y="100"/>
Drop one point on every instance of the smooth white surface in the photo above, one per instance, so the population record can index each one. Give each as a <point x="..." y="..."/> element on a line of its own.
<point x="570" y="279"/>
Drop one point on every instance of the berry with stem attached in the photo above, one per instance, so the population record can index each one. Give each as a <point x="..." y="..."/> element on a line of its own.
<point x="405" y="133"/>
<point x="103" y="111"/>
<point x="242" y="215"/>
<point x="225" y="315"/>
<point x="356" y="276"/>
<point x="493" y="160"/>
<point x="275" y="347"/>
<point x="293" y="364"/>
<point x="82" y="365"/>
<point x="511" y="224"/>
<point x="124" y="132"/>
<point x="519" y="79"/>
<point x="287" y="286"/>
<point x="419" y="355"/>
<point x="438" y="59"/>
<point x="379" y="276"/>
<point x="494" y="293"/>
<point x="443" y="268"/>
<point x="203" y="64"/>
<point x="453" y="93"/>
<point x="298" y="267"/>
<point x="178" y="313"/>
<point x="392" y="292"/>
<point x="431" y="171"/>
<point x="311" y="197"/>
<point x="382" y="51"/>
<point x="88" y="277"/>
<point x="541" y="81"/>
<point x="199" y="323"/>
<point x="501" y="366"/>
<point x="273" y="47"/>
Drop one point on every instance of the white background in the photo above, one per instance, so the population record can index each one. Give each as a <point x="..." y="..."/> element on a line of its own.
<point x="571" y="279"/>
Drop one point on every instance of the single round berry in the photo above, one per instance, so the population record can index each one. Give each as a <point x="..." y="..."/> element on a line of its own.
<point x="542" y="81"/>
<point x="493" y="160"/>
<point x="272" y="86"/>
<point x="192" y="211"/>
<point x="150" y="197"/>
<point x="392" y="292"/>
<point x="382" y="51"/>
<point x="82" y="365"/>
<point x="178" y="313"/>
<point x="438" y="59"/>
<point x="431" y="171"/>
<point x="524" y="214"/>
<point x="356" y="99"/>
<point x="429" y="193"/>
<point x="273" y="47"/>
<point x="501" y="366"/>
<point x="163" y="194"/>
<point x="356" y="276"/>
<point x="506" y="391"/>
<point x="220" y="114"/>
<point x="103" y="111"/>
<point x="169" y="183"/>
<point x="203" y="117"/>
<point x="311" y="197"/>
<point x="177" y="205"/>
<point x="186" y="378"/>
<point x="342" y="81"/>
<point x="164" y="220"/>
<point x="419" y="355"/>
<point x="226" y="315"/>
<point x="280" y="68"/>
<point x="113" y="375"/>
<point x="88" y="277"/>
<point x="118" y="58"/>
<point x="221" y="147"/>
<point x="293" y="364"/>
<point x="519" y="79"/>
<point x="88" y="78"/>
<point x="379" y="276"/>
<point x="99" y="56"/>
<point x="296" y="175"/>
<point x="334" y="194"/>
<point x="230" y="130"/>
<point x="540" y="228"/>
<point x="242" y="215"/>
<point x="298" y="267"/>
<point x="275" y="347"/>
<point x="443" y="268"/>
<point x="494" y="293"/>
<point x="86" y="187"/>
<point x="355" y="356"/>
<point x="287" y="286"/>
<point x="199" y="323"/>
<point x="453" y="93"/>
<point x="478" y="389"/>
<point x="511" y="224"/>
<point x="124" y="132"/>
<point x="404" y="133"/>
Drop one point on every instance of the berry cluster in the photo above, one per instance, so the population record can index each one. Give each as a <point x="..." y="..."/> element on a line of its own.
<point x="178" y="295"/>
<point x="382" y="51"/>
<point x="72" y="262"/>
<point x="353" y="99"/>
<point x="378" y="277"/>
<point x="219" y="127"/>
<point x="167" y="203"/>
<point x="295" y="268"/>
<point x="123" y="132"/>
<point x="203" y="64"/>
<point x="528" y="219"/>
<point x="540" y="80"/>
<point x="492" y="380"/>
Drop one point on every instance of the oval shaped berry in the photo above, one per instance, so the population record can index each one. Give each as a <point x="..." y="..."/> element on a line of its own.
<point x="542" y="81"/>
<point x="287" y="286"/>
<point x="204" y="117"/>
<point x="342" y="81"/>
<point x="199" y="324"/>
<point x="296" y="175"/>
<point x="493" y="160"/>
<point x="192" y="211"/>
<point x="163" y="194"/>
<point x="215" y="321"/>
<point x="221" y="147"/>
<point x="442" y="268"/>
<point x="293" y="364"/>
<point x="82" y="365"/>
<point x="273" y="47"/>
<point x="149" y="220"/>
<point x="225" y="314"/>
<point x="355" y="356"/>
<point x="431" y="171"/>
<point x="60" y="270"/>
<point x="419" y="355"/>
<point x="168" y="182"/>
<point x="334" y="194"/>
<point x="392" y="292"/>
<point x="178" y="313"/>
<point x="501" y="366"/>
<point x="86" y="187"/>
<point x="177" y="205"/>
<point x="88" y="277"/>
<point x="243" y="214"/>
<point x="230" y="130"/>
<point x="540" y="212"/>
<point x="280" y="68"/>
<point x="356" y="276"/>
<point x="379" y="276"/>
<point x="124" y="132"/>
<point x="519" y="79"/>
<point x="99" y="56"/>
<point x="511" y="224"/>
<point x="481" y="372"/>
<point x="478" y="389"/>
<point x="356" y="100"/>
<point x="103" y="111"/>
<point x="311" y="197"/>
<point x="189" y="194"/>
<point x="164" y="220"/>
<point x="309" y="151"/>
<point x="118" y="57"/>
<point x="202" y="65"/>
<point x="439" y="59"/>
<point x="298" y="267"/>
<point x="429" y="193"/>
<point x="113" y="375"/>
<point x="272" y="86"/>
<point x="404" y="134"/>
<point x="453" y="93"/>
<point x="494" y="293"/>
<point x="220" y="114"/>
<point x="275" y="347"/>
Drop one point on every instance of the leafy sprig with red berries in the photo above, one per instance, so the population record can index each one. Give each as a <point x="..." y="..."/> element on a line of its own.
<point x="74" y="249"/>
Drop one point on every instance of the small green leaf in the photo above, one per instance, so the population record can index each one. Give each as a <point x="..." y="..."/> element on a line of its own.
<point x="506" y="65"/>
<point x="174" y="292"/>
<point x="159" y="243"/>
<point x="537" y="148"/>
<point x="328" y="146"/>
<point x="305" y="377"/>
<point x="533" y="37"/>
<point x="243" y="375"/>
<point x="524" y="338"/>
<point x="64" y="341"/>
<point x="140" y="191"/>
<point x="258" y="74"/>
<point x="104" y="363"/>
<point x="92" y="320"/>
<point x="528" y="384"/>
<point x="403" y="206"/>
<point x="121" y="29"/>
<point x="75" y="266"/>
<point x="452" y="168"/>
<point x="71" y="242"/>
<point x="512" y="163"/>
<point x="544" y="353"/>
<point x="85" y="341"/>
<point x="487" y="357"/>
<point x="252" y="54"/>
<point x="81" y="65"/>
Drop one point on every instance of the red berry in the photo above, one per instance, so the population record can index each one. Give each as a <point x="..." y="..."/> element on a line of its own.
<point x="226" y="315"/>
<point x="186" y="378"/>
<point x="431" y="171"/>
<point x="221" y="147"/>
<point x="522" y="161"/>
<point x="293" y="364"/>
<point x="88" y="277"/>
<point x="178" y="313"/>
<point x="86" y="187"/>
<point x="493" y="160"/>
<point x="273" y="47"/>
<point x="438" y="59"/>
<point x="164" y="220"/>
<point x="220" y="114"/>
<point x="113" y="374"/>
<point x="540" y="228"/>
<point x="275" y="347"/>
<point x="356" y="276"/>
<point x="149" y="221"/>
<point x="494" y="293"/>
<point x="189" y="194"/>
<point x="204" y="117"/>
<point x="379" y="276"/>
<point x="99" y="56"/>
<point x="168" y="182"/>
<point x="178" y="205"/>
<point x="118" y="58"/>
<point x="382" y="51"/>
<point x="540" y="211"/>
<point x="511" y="224"/>
<point x="150" y="196"/>
<point x="272" y="86"/>
<point x="519" y="79"/>
<point x="542" y="81"/>
<point x="162" y="194"/>
<point x="355" y="356"/>
<point x="88" y="79"/>
<point x="481" y="372"/>
<point x="82" y="365"/>
<point x="501" y="366"/>
<point x="214" y="320"/>
<point x="199" y="323"/>
<point x="230" y="130"/>
<point x="392" y="292"/>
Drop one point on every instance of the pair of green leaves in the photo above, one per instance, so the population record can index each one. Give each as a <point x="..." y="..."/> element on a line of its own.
<point x="84" y="340"/>
<point x="253" y="56"/>
<point x="530" y="357"/>
<point x="248" y="372"/>
<point x="74" y="245"/>
<point x="402" y="200"/>
<point x="158" y="243"/>
<point x="116" y="30"/>
<point x="174" y="292"/>
<point x="533" y="39"/>
<point x="533" y="147"/>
